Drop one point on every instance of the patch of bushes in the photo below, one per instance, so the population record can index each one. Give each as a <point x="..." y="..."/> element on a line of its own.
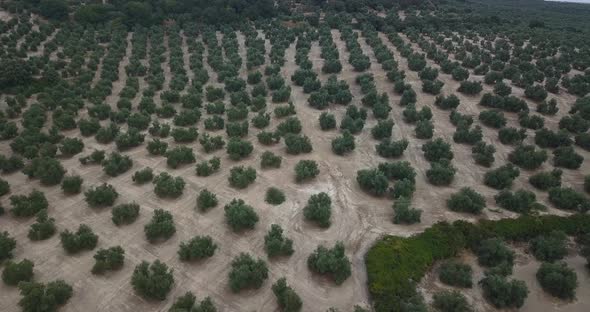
<point x="550" y="247"/>
<point x="240" y="177"/>
<point x="48" y="170"/>
<point x="567" y="198"/>
<point x="404" y="213"/>
<point x="82" y="239"/>
<point x="143" y="176"/>
<point x="197" y="248"/>
<point x="110" y="259"/>
<point x="16" y="272"/>
<point x="116" y="164"/>
<point x="558" y="280"/>
<point x="546" y="180"/>
<point x="450" y="301"/>
<point x="179" y="156"/>
<point x="287" y="298"/>
<point x="160" y="227"/>
<point x="206" y="200"/>
<point x="274" y="196"/>
<point x="437" y="150"/>
<point x="275" y="244"/>
<point x="306" y="170"/>
<point x="52" y="295"/>
<point x="28" y="205"/>
<point x="566" y="157"/>
<point x="456" y="274"/>
<point x="441" y="173"/>
<point x="246" y="272"/>
<point x="502" y="293"/>
<point x="372" y="181"/>
<point x="330" y="261"/>
<point x="125" y="213"/>
<point x="521" y="201"/>
<point x="101" y="196"/>
<point x="466" y="200"/>
<point x="527" y="157"/>
<point x="152" y="281"/>
<point x="240" y="216"/>
<point x="72" y="184"/>
<point x="501" y="177"/>
<point x="43" y="228"/>
<point x="319" y="209"/>
<point x="207" y="168"/>
<point x="166" y="185"/>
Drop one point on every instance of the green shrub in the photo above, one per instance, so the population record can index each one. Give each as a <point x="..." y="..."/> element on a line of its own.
<point x="493" y="252"/>
<point x="160" y="227"/>
<point x="240" y="177"/>
<point x="211" y="143"/>
<point x="521" y="201"/>
<point x="344" y="144"/>
<point x="546" y="180"/>
<point x="188" y="302"/>
<point x="566" y="157"/>
<point x="146" y="276"/>
<point x="319" y="209"/>
<point x="502" y="293"/>
<point x="110" y="259"/>
<point x="82" y="239"/>
<point x="101" y="196"/>
<point x="274" y="196"/>
<point x="424" y="129"/>
<point x="483" y="154"/>
<point x="508" y="135"/>
<point x="116" y="164"/>
<point x="206" y="200"/>
<point x="527" y="157"/>
<point x="493" y="119"/>
<point x="287" y="298"/>
<point x="52" y="295"/>
<point x="198" y="248"/>
<point x="451" y="301"/>
<point x="240" y="216"/>
<point x="168" y="186"/>
<point x="441" y="173"/>
<point x="28" y="205"/>
<point x="403" y="213"/>
<point x="48" y="170"/>
<point x="327" y="121"/>
<point x="372" y="181"/>
<point x="185" y="135"/>
<point x="437" y="149"/>
<point x="125" y="213"/>
<point x="16" y="272"/>
<point x="246" y="272"/>
<point x="501" y="177"/>
<point x="7" y="244"/>
<point x="558" y="280"/>
<point x="383" y="129"/>
<point x="270" y="160"/>
<point x="456" y="274"/>
<point x="306" y="170"/>
<point x="207" y="168"/>
<point x="143" y="176"/>
<point x="180" y="155"/>
<point x="568" y="199"/>
<point x="72" y="184"/>
<point x="330" y="261"/>
<point x="157" y="147"/>
<point x="466" y="200"/>
<point x="275" y="244"/>
<point x="550" y="247"/>
<point x="43" y="228"/>
<point x="238" y="149"/>
<point x="297" y="144"/>
<point x="71" y="146"/>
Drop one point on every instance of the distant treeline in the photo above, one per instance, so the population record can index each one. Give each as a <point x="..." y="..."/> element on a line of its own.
<point x="150" y="12"/>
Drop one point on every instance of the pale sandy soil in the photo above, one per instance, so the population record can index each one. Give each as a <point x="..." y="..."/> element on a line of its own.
<point x="525" y="268"/>
<point x="5" y="16"/>
<point x="357" y="218"/>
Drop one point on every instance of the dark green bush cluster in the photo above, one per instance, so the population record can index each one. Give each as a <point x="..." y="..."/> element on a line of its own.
<point x="82" y="239"/>
<point x="240" y="216"/>
<point x="198" y="248"/>
<point x="188" y="302"/>
<point x="404" y="213"/>
<point x="330" y="261"/>
<point x="28" y="205"/>
<point x="160" y="227"/>
<point x="16" y="272"/>
<point x="207" y="168"/>
<point x="550" y="247"/>
<point x="43" y="228"/>
<point x="72" y="184"/>
<point x="125" y="213"/>
<point x="466" y="200"/>
<point x="501" y="177"/>
<point x="146" y="276"/>
<point x="527" y="157"/>
<point x="246" y="272"/>
<point x="275" y="244"/>
<point x="206" y="200"/>
<point x="110" y="259"/>
<point x="286" y="297"/>
<point x="116" y="164"/>
<point x="52" y="294"/>
<point x="101" y="196"/>
<point x="240" y="177"/>
<point x="166" y="185"/>
<point x="520" y="201"/>
<point x="179" y="156"/>
<point x="143" y="176"/>
<point x="558" y="279"/>
<point x="546" y="179"/>
<point x="274" y="196"/>
<point x="456" y="274"/>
